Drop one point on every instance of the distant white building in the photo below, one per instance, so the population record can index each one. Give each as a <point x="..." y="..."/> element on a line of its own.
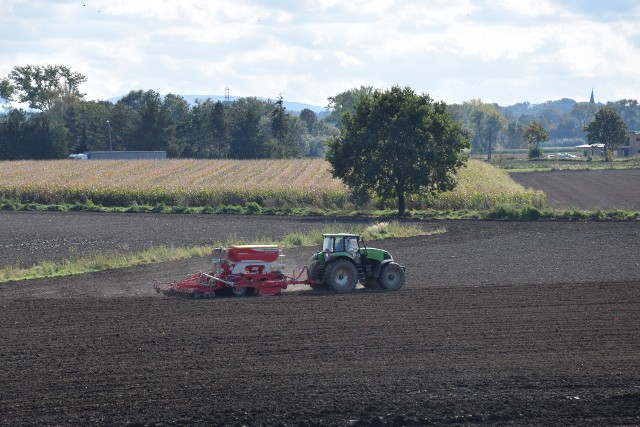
<point x="593" y="150"/>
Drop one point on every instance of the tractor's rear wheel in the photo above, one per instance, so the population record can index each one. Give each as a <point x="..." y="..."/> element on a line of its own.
<point x="313" y="271"/>
<point x="392" y="277"/>
<point x="341" y="276"/>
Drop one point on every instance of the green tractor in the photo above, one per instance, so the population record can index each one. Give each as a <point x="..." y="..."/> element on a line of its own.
<point x="345" y="259"/>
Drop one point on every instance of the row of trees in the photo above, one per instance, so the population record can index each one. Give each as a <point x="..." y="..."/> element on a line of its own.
<point x="492" y="127"/>
<point x="246" y="128"/>
<point x="145" y="120"/>
<point x="606" y="128"/>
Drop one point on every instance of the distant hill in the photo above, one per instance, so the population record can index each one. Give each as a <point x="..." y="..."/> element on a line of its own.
<point x="564" y="105"/>
<point x="291" y="106"/>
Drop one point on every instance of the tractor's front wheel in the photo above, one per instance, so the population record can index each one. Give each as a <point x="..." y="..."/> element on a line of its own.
<point x="341" y="276"/>
<point x="392" y="277"/>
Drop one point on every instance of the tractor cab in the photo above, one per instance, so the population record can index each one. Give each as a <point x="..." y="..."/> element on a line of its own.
<point x="341" y="245"/>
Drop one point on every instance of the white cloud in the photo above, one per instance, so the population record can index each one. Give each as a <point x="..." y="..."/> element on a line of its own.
<point x="529" y="8"/>
<point x="502" y="51"/>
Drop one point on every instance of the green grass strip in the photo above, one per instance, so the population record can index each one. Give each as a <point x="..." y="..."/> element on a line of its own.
<point x="100" y="262"/>
<point x="112" y="260"/>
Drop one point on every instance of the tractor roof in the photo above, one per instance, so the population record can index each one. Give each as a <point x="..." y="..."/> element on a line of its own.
<point x="340" y="235"/>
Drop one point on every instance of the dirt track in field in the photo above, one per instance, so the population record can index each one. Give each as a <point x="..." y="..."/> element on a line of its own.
<point x="499" y="323"/>
<point x="604" y="189"/>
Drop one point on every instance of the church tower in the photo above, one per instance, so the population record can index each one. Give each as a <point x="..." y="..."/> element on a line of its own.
<point x="592" y="100"/>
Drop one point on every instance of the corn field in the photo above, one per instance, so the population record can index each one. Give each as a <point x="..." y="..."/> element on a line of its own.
<point x="482" y="186"/>
<point x="269" y="183"/>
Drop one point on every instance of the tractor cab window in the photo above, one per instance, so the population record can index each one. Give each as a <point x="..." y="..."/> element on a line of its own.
<point x="341" y="244"/>
<point x="327" y="244"/>
<point x="351" y="246"/>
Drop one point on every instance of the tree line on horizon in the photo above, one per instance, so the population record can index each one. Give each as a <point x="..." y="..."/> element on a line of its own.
<point x="247" y="128"/>
<point x="66" y="123"/>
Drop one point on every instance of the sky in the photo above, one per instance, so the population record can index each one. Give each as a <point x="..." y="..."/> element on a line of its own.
<point x="505" y="51"/>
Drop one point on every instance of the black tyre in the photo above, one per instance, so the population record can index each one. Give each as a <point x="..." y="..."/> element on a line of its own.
<point x="313" y="271"/>
<point x="392" y="277"/>
<point x="341" y="276"/>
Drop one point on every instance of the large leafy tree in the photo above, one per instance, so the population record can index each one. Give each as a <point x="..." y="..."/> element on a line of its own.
<point x="42" y="87"/>
<point x="398" y="143"/>
<point x="607" y="128"/>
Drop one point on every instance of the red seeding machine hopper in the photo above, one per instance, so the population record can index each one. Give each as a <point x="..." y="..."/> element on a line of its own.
<point x="258" y="269"/>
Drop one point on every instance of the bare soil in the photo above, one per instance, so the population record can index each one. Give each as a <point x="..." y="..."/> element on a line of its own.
<point x="499" y="323"/>
<point x="588" y="189"/>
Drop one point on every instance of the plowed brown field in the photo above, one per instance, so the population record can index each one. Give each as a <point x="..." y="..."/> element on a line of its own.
<point x="587" y="189"/>
<point x="499" y="323"/>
